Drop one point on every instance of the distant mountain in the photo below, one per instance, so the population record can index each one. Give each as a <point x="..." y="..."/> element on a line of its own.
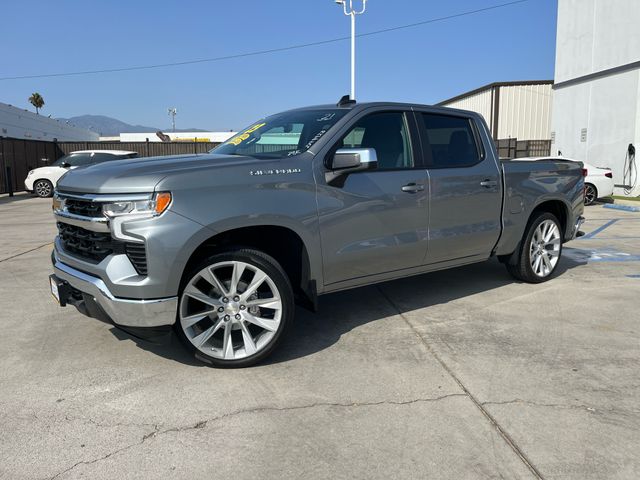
<point x="107" y="126"/>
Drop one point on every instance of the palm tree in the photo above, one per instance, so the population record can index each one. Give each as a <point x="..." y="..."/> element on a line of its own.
<point x="37" y="101"/>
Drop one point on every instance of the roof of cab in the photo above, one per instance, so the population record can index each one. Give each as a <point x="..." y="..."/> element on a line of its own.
<point x="360" y="106"/>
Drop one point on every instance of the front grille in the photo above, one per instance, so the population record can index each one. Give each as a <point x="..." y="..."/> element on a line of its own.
<point x="138" y="256"/>
<point x="96" y="246"/>
<point x="83" y="207"/>
<point x="88" y="245"/>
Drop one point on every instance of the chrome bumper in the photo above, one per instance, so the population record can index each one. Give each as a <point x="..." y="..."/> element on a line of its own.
<point x="122" y="311"/>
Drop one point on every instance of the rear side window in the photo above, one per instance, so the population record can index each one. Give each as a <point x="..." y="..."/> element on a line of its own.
<point x="450" y="141"/>
<point x="102" y="157"/>
<point x="106" y="157"/>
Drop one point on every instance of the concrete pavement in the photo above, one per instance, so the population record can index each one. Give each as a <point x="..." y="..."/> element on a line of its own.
<point x="456" y="374"/>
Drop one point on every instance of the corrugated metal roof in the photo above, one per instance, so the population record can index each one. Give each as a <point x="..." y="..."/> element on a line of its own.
<point x="493" y="85"/>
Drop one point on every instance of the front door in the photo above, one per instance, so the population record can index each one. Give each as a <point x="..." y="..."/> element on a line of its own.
<point x="375" y="222"/>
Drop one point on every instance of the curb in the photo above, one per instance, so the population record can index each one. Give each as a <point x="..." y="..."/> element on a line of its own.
<point x="626" y="208"/>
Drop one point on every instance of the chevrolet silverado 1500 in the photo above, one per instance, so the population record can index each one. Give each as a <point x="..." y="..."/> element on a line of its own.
<point x="300" y="204"/>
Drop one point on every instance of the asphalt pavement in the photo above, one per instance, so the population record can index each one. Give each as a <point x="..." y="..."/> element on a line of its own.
<point x="460" y="374"/>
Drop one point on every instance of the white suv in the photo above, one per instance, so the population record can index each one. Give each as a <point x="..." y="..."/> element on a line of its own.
<point x="42" y="181"/>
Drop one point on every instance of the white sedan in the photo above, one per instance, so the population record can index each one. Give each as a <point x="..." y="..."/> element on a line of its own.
<point x="43" y="180"/>
<point x="598" y="183"/>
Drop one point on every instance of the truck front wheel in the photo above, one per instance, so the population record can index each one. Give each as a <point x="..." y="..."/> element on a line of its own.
<point x="234" y="308"/>
<point x="539" y="252"/>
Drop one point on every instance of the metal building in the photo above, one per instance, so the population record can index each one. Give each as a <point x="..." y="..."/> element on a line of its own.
<point x="18" y="123"/>
<point x="518" y="114"/>
<point x="596" y="99"/>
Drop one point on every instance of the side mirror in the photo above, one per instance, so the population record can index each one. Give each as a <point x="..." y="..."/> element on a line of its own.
<point x="348" y="160"/>
<point x="65" y="165"/>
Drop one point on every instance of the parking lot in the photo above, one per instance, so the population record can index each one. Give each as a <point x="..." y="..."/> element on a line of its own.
<point x="457" y="374"/>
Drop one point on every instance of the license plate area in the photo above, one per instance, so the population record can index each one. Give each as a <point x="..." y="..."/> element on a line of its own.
<point x="59" y="290"/>
<point x="54" y="290"/>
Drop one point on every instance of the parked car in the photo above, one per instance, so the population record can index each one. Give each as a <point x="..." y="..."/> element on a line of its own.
<point x="300" y="204"/>
<point x="598" y="182"/>
<point x="42" y="181"/>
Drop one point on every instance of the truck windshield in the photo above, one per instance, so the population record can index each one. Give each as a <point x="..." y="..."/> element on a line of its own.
<point x="282" y="135"/>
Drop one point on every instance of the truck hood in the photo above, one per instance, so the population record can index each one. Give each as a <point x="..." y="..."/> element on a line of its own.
<point x="142" y="174"/>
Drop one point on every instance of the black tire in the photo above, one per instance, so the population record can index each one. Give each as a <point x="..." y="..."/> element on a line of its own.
<point x="519" y="264"/>
<point x="590" y="194"/>
<point x="43" y="188"/>
<point x="275" y="273"/>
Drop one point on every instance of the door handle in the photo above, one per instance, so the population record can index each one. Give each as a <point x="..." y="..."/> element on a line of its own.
<point x="412" y="188"/>
<point x="489" y="183"/>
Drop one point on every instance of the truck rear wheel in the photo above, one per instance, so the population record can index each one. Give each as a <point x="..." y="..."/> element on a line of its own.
<point x="539" y="252"/>
<point x="234" y="308"/>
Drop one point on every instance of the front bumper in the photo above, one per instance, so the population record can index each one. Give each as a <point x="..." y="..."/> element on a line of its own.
<point x="121" y="311"/>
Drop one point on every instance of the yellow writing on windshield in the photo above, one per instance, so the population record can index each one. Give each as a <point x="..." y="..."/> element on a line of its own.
<point x="238" y="139"/>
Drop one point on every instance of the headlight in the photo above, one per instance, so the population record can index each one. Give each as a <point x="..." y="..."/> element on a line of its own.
<point x="30" y="173"/>
<point x="57" y="203"/>
<point x="152" y="207"/>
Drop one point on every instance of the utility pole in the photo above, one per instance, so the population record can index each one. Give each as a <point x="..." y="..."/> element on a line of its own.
<point x="351" y="12"/>
<point x="173" y="111"/>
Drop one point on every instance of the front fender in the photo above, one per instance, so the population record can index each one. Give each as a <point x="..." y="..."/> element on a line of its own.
<point x="235" y="196"/>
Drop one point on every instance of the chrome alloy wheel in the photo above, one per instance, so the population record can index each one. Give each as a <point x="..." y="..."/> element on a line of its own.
<point x="544" y="250"/>
<point x="230" y="310"/>
<point x="590" y="194"/>
<point x="43" y="188"/>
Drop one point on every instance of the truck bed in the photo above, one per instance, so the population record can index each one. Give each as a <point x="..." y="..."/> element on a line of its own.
<point x="529" y="182"/>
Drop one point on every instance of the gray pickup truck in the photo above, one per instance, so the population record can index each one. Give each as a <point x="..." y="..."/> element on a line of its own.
<point x="222" y="246"/>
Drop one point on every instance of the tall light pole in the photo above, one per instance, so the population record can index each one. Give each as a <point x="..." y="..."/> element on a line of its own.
<point x="173" y="112"/>
<point x="347" y="7"/>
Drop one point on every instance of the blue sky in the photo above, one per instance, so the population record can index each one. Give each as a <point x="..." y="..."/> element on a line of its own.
<point x="423" y="64"/>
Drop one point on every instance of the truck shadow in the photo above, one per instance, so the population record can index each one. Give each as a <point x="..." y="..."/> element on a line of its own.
<point x="342" y="312"/>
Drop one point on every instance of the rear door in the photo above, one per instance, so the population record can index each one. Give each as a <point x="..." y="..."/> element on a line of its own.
<point x="465" y="189"/>
<point x="375" y="222"/>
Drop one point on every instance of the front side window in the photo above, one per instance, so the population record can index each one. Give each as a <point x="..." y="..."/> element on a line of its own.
<point x="451" y="142"/>
<point x="385" y="132"/>
<point x="282" y="135"/>
<point x="74" y="160"/>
